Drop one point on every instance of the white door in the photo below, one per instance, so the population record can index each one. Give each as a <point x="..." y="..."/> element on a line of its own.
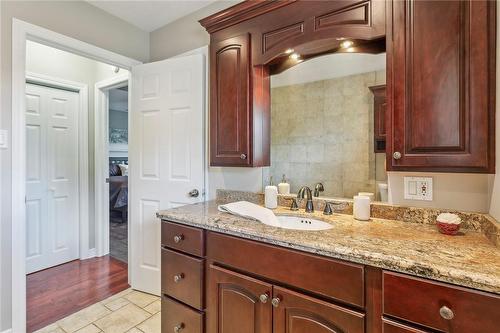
<point x="166" y="154"/>
<point x="51" y="177"/>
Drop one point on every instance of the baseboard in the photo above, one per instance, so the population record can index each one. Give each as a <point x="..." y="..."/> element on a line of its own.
<point x="91" y="253"/>
<point x="7" y="331"/>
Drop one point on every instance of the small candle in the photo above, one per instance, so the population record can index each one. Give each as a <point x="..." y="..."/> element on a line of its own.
<point x="361" y="210"/>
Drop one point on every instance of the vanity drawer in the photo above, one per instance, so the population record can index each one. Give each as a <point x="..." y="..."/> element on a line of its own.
<point x="183" y="238"/>
<point x="333" y="279"/>
<point x="175" y="314"/>
<point x="182" y="277"/>
<point x="439" y="306"/>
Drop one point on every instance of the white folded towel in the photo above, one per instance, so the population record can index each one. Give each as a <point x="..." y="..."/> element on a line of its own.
<point x="251" y="211"/>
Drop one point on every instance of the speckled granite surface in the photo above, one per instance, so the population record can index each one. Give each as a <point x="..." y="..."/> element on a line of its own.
<point x="469" y="259"/>
<point x="470" y="220"/>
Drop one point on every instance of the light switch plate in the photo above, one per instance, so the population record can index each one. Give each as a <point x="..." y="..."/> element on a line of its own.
<point x="418" y="188"/>
<point x="4" y="139"/>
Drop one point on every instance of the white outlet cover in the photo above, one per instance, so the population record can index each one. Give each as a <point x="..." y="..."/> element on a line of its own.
<point x="4" y="139"/>
<point x="418" y="188"/>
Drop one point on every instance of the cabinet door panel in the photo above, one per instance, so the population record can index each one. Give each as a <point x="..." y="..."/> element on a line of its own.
<point x="441" y="85"/>
<point x="230" y="121"/>
<point x="234" y="304"/>
<point x="298" y="313"/>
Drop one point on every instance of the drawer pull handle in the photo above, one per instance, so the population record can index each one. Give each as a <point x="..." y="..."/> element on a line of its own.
<point x="178" y="277"/>
<point x="446" y="313"/>
<point x="276" y="302"/>
<point x="178" y="238"/>
<point x="263" y="298"/>
<point x="178" y="328"/>
<point x="397" y="155"/>
<point x="243" y="156"/>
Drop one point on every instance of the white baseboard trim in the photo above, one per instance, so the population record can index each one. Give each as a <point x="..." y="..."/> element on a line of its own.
<point x="91" y="253"/>
<point x="7" y="331"/>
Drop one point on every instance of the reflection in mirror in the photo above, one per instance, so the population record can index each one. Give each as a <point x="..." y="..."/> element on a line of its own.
<point x="327" y="125"/>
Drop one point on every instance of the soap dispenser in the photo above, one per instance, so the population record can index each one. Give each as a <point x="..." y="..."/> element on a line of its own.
<point x="283" y="187"/>
<point x="271" y="195"/>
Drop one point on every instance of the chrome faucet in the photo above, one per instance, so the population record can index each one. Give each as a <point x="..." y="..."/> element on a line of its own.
<point x="309" y="204"/>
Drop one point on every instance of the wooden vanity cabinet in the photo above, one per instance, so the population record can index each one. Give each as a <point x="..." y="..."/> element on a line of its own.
<point x="237" y="303"/>
<point x="240" y="303"/>
<point x="441" y="85"/>
<point x="230" y="284"/>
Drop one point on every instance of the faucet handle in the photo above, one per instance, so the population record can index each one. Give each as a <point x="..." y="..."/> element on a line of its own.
<point x="318" y="188"/>
<point x="294" y="205"/>
<point x="328" y="208"/>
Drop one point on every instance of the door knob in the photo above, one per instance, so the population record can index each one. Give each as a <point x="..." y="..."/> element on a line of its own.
<point x="178" y="328"/>
<point x="397" y="155"/>
<point x="243" y="156"/>
<point x="276" y="302"/>
<point x="263" y="298"/>
<point x="194" y="193"/>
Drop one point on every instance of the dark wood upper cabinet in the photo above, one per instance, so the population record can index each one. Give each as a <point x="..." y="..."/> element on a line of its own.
<point x="379" y="125"/>
<point x="235" y="304"/>
<point x="440" y="75"/>
<point x="440" y="86"/>
<point x="230" y="111"/>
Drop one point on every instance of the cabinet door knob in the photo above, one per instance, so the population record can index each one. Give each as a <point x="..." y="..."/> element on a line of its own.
<point x="263" y="298"/>
<point x="397" y="155"/>
<point x="178" y="328"/>
<point x="178" y="277"/>
<point x="446" y="313"/>
<point x="276" y="302"/>
<point x="178" y="238"/>
<point x="243" y="156"/>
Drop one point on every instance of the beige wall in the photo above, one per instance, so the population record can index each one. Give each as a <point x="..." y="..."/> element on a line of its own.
<point x="322" y="131"/>
<point x="75" y="19"/>
<point x="184" y="34"/>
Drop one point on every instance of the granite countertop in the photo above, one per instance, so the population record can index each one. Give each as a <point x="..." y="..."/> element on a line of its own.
<point x="468" y="259"/>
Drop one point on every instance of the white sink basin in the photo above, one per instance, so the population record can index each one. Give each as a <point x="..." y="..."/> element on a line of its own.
<point x="302" y="223"/>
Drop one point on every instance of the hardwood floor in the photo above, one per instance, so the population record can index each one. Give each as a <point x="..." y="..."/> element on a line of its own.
<point x="54" y="293"/>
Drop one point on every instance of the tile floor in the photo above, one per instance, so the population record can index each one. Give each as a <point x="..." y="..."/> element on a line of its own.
<point x="129" y="311"/>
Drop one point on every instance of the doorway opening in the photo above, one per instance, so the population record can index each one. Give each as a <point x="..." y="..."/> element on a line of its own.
<point x="62" y="273"/>
<point x="118" y="172"/>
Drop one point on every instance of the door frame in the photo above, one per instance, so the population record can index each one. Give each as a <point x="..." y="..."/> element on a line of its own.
<point x="101" y="120"/>
<point x="21" y="32"/>
<point x="84" y="251"/>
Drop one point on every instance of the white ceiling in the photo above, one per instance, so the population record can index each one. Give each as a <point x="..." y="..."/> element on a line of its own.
<point x="151" y="15"/>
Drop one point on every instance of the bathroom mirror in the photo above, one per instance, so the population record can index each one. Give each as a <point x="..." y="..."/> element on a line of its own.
<point x="327" y="125"/>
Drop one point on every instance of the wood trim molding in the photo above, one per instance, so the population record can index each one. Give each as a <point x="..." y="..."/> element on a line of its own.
<point x="241" y="12"/>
